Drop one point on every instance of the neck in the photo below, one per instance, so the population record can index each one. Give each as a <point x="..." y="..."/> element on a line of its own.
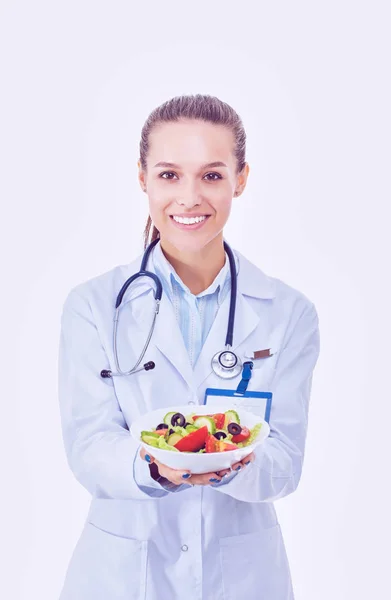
<point x="196" y="269"/>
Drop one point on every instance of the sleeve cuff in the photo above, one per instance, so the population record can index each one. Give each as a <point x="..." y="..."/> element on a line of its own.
<point x="143" y="479"/>
<point x="226" y="479"/>
<point x="150" y="481"/>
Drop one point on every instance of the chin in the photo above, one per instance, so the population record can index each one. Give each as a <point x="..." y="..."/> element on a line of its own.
<point x="188" y="242"/>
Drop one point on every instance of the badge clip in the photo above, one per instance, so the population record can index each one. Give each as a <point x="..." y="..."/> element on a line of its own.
<point x="246" y="376"/>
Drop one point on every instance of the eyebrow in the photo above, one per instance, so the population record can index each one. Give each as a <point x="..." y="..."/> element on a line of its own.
<point x="217" y="163"/>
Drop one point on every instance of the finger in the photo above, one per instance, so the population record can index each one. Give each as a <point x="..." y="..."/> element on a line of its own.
<point x="147" y="456"/>
<point x="210" y="478"/>
<point x="244" y="463"/>
<point x="204" y="479"/>
<point x="177" y="476"/>
<point x="249" y="459"/>
<point x="223" y="472"/>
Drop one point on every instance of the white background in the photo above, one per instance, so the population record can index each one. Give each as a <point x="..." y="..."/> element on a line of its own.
<point x="311" y="81"/>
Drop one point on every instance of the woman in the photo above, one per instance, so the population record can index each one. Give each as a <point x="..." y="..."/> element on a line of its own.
<point x="153" y="532"/>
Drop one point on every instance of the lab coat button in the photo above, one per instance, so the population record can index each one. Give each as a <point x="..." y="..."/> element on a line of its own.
<point x="184" y="548"/>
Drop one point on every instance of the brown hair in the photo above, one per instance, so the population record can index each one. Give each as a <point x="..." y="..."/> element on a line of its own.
<point x="204" y="108"/>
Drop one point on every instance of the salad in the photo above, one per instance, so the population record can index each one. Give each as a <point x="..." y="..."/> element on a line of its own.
<point x="218" y="432"/>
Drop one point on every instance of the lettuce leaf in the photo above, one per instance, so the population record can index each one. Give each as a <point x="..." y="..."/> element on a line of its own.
<point x="181" y="430"/>
<point x="253" y="435"/>
<point x="161" y="443"/>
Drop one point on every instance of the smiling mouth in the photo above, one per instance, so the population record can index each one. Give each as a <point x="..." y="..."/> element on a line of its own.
<point x="189" y="220"/>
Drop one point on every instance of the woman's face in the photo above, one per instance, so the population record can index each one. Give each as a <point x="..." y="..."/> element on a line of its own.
<point x="181" y="181"/>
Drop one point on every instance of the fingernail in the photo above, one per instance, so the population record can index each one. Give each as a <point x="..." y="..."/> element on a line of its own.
<point x="238" y="468"/>
<point x="248" y="462"/>
<point x="147" y="458"/>
<point x="186" y="476"/>
<point x="213" y="479"/>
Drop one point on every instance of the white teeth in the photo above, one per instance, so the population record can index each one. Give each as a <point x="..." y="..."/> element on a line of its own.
<point x="188" y="220"/>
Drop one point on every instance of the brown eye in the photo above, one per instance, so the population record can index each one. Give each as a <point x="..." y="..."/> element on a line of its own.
<point x="166" y="173"/>
<point x="218" y="176"/>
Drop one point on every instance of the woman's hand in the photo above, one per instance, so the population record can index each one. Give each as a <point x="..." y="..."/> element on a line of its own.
<point x="238" y="466"/>
<point x="176" y="475"/>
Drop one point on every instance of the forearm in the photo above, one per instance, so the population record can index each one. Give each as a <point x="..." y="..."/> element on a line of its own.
<point x="272" y="475"/>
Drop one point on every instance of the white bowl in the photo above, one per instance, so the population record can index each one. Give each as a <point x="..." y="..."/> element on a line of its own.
<point x="195" y="462"/>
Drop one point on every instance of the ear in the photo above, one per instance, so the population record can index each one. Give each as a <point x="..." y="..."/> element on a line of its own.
<point x="242" y="180"/>
<point x="141" y="177"/>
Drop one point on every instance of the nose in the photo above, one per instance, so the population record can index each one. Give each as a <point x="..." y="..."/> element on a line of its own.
<point x="190" y="197"/>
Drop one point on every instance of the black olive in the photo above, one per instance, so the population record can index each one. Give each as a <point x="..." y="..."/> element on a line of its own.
<point x="161" y="426"/>
<point x="171" y="431"/>
<point x="178" y="419"/>
<point x="219" y="435"/>
<point x="234" y="428"/>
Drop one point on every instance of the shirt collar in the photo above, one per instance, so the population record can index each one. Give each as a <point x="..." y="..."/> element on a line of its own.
<point x="166" y="271"/>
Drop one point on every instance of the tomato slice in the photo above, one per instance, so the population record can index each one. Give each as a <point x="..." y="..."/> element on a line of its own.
<point x="194" y="441"/>
<point x="219" y="419"/>
<point x="243" y="435"/>
<point x="194" y="417"/>
<point x="211" y="444"/>
<point x="161" y="431"/>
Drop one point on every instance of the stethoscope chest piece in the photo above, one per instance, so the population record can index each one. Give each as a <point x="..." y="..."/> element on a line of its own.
<point x="226" y="364"/>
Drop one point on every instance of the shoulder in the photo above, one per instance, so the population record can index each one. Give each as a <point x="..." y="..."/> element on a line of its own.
<point x="256" y="283"/>
<point x="104" y="286"/>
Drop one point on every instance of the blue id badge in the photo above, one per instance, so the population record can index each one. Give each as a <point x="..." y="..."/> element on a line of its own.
<point x="259" y="403"/>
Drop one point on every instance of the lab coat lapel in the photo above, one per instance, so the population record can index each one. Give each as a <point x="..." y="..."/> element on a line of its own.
<point x="169" y="340"/>
<point x="246" y="320"/>
<point x="252" y="282"/>
<point x="167" y="336"/>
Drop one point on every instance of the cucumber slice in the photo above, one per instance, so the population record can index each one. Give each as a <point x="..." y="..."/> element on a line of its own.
<point x="174" y="438"/>
<point x="167" y="418"/>
<point x="231" y="416"/>
<point x="208" y="421"/>
<point x="189" y="418"/>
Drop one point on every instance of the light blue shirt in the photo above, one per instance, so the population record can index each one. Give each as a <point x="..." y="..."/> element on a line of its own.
<point x="194" y="313"/>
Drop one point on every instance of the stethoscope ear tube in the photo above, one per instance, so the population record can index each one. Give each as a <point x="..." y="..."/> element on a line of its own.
<point x="158" y="291"/>
<point x="106" y="373"/>
<point x="232" y="306"/>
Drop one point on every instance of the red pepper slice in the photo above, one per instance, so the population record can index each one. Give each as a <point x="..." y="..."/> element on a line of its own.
<point x="194" y="441"/>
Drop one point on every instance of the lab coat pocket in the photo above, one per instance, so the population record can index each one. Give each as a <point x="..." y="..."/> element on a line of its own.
<point x="255" y="566"/>
<point x="106" y="566"/>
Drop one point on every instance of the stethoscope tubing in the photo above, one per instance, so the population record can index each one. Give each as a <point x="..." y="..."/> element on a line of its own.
<point x="158" y="295"/>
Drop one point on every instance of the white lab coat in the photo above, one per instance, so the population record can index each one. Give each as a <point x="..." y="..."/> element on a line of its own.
<point x="140" y="541"/>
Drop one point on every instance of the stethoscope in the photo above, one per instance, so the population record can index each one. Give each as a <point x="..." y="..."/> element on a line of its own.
<point x="225" y="363"/>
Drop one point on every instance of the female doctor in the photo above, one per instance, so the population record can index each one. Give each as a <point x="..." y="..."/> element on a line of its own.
<point x="154" y="533"/>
